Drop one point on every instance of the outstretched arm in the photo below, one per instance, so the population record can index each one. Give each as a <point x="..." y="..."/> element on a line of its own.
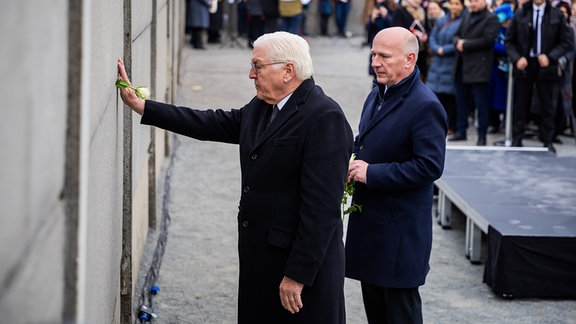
<point x="128" y="95"/>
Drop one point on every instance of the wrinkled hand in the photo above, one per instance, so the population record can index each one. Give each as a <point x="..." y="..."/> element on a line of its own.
<point x="357" y="171"/>
<point x="128" y="95"/>
<point x="290" y="291"/>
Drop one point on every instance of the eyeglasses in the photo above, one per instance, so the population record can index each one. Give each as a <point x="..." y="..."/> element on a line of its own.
<point x="258" y="67"/>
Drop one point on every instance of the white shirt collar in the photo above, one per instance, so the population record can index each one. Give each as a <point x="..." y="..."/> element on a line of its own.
<point x="283" y="101"/>
<point x="542" y="7"/>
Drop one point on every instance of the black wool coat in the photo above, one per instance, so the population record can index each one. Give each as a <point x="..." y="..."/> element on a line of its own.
<point x="479" y="29"/>
<point x="556" y="38"/>
<point x="289" y="219"/>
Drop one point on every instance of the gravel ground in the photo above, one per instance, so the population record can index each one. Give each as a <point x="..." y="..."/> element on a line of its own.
<point x="198" y="274"/>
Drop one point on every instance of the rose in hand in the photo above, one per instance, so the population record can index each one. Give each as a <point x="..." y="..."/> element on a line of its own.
<point x="141" y="92"/>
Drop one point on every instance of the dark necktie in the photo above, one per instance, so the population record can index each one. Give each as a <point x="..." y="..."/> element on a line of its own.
<point x="275" y="111"/>
<point x="535" y="34"/>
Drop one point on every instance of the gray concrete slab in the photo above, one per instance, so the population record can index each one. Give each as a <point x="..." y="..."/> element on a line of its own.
<point x="198" y="274"/>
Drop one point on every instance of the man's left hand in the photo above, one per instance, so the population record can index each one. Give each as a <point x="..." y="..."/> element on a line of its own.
<point x="290" y="291"/>
<point x="543" y="60"/>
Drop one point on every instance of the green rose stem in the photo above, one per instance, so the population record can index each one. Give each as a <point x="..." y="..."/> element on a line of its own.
<point x="141" y="92"/>
<point x="349" y="193"/>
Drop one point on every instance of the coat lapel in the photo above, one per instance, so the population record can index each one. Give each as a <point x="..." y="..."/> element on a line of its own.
<point x="391" y="103"/>
<point x="290" y="108"/>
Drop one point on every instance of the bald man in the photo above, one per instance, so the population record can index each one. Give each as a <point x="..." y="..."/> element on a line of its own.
<point x="400" y="152"/>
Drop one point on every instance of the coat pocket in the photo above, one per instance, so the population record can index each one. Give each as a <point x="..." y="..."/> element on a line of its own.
<point x="280" y="238"/>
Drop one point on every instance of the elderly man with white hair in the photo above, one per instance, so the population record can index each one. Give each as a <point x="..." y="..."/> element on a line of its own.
<point x="295" y="145"/>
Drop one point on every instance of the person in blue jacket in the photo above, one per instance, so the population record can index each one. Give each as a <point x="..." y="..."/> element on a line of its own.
<point x="440" y="77"/>
<point x="400" y="152"/>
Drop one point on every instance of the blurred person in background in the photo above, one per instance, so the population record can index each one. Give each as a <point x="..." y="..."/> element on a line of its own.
<point x="498" y="87"/>
<point x="440" y="74"/>
<point x="290" y="15"/>
<point x="537" y="38"/>
<point x="565" y="112"/>
<point x="197" y="21"/>
<point x="341" y="12"/>
<point x="474" y="43"/>
<point x="324" y="11"/>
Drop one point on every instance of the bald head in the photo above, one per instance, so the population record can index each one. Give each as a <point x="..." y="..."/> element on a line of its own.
<point x="402" y="36"/>
<point x="394" y="54"/>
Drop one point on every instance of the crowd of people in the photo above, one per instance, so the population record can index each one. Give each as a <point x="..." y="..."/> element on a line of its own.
<point x="468" y="48"/>
<point x="258" y="17"/>
<point x="465" y="54"/>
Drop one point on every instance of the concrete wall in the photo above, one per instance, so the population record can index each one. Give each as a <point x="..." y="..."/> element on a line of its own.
<point x="78" y="171"/>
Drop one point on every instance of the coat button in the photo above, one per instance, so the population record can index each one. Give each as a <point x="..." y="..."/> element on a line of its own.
<point x="361" y="147"/>
<point x="254" y="156"/>
<point x="245" y="224"/>
<point x="246" y="189"/>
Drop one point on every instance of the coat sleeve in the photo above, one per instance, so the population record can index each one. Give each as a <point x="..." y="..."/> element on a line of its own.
<point x="511" y="40"/>
<point x="564" y="41"/>
<point x="425" y="164"/>
<point x="211" y="125"/>
<point x="324" y="168"/>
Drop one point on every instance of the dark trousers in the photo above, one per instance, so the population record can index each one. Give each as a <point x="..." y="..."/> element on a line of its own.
<point x="449" y="102"/>
<point x="479" y="94"/>
<point x="392" y="305"/>
<point x="546" y="92"/>
<point x="324" y="24"/>
<point x="197" y="40"/>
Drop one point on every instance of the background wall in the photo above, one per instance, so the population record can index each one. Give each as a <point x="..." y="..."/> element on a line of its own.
<point x="78" y="171"/>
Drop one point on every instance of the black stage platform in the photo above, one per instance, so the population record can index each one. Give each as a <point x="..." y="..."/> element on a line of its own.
<point x="525" y="202"/>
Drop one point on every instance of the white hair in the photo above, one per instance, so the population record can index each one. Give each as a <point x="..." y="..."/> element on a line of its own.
<point x="282" y="46"/>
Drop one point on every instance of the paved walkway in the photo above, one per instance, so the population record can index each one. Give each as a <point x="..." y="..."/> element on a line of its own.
<point x="198" y="275"/>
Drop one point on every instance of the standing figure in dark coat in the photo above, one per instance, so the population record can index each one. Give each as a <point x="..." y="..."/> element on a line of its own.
<point x="474" y="41"/>
<point x="295" y="145"/>
<point x="197" y="21"/>
<point x="400" y="152"/>
<point x="537" y="38"/>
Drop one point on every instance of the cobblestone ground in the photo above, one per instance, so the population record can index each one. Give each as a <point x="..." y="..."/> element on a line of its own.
<point x="198" y="275"/>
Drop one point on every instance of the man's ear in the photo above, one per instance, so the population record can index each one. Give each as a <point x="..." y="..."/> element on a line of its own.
<point x="290" y="72"/>
<point x="411" y="58"/>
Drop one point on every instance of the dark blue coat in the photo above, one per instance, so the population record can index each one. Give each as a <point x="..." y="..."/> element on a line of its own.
<point x="289" y="218"/>
<point x="440" y="74"/>
<point x="389" y="242"/>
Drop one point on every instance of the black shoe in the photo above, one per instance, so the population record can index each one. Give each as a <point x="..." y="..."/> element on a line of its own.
<point x="550" y="147"/>
<point x="517" y="143"/>
<point x="457" y="137"/>
<point x="481" y="141"/>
